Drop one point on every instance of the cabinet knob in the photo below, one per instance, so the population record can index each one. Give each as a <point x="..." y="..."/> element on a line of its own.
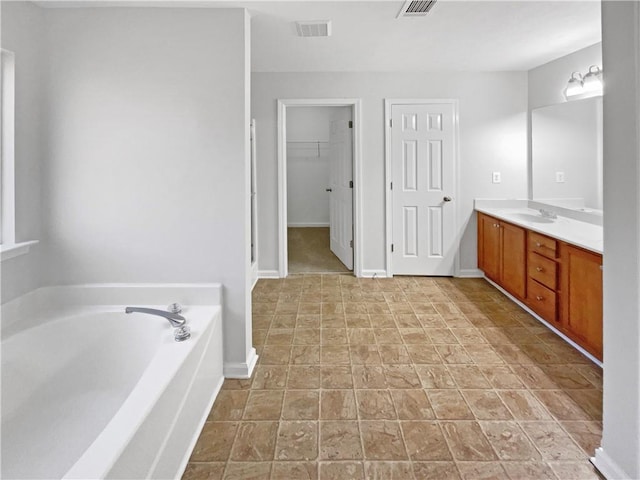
<point x="539" y="269"/>
<point x="539" y="298"/>
<point x="538" y="244"/>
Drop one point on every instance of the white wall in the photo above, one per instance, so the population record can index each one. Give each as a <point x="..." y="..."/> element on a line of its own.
<point x="307" y="166"/>
<point x="22" y="26"/>
<point x="493" y="116"/>
<point x="619" y="456"/>
<point x="148" y="151"/>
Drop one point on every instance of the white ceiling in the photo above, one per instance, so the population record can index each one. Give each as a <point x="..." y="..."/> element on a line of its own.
<point x="454" y="36"/>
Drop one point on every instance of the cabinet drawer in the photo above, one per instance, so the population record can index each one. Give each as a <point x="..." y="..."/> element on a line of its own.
<point x="542" y="300"/>
<point x="543" y="245"/>
<point x="543" y="270"/>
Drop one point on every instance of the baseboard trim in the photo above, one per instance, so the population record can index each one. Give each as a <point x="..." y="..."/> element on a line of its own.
<point x="607" y="467"/>
<point x="241" y="369"/>
<point x="268" y="274"/>
<point x="470" y="273"/>
<point x="374" y="273"/>
<point x="307" y="225"/>
<point x="545" y="323"/>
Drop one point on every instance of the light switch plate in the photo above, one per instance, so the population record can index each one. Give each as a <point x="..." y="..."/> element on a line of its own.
<point x="559" y="177"/>
<point x="495" y="177"/>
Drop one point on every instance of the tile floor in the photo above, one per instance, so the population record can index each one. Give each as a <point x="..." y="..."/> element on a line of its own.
<point x="404" y="378"/>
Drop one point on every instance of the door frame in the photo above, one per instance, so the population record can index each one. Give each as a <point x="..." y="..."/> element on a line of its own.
<point x="388" y="159"/>
<point x="356" y="112"/>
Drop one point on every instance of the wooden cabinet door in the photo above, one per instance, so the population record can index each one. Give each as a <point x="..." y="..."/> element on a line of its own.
<point x="514" y="259"/>
<point x="581" y="282"/>
<point x="489" y="246"/>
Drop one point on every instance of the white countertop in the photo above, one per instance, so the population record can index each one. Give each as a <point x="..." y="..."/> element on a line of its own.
<point x="578" y="233"/>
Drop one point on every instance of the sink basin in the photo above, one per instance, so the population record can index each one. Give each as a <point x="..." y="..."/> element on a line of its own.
<point x="528" y="217"/>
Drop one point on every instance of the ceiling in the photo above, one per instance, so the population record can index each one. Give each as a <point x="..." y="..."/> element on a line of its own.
<point x="456" y="35"/>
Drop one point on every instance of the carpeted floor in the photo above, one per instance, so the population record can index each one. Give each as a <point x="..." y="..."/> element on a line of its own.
<point x="309" y="251"/>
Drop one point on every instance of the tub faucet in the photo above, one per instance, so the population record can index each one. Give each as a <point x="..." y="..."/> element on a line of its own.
<point x="175" y="319"/>
<point x="548" y="213"/>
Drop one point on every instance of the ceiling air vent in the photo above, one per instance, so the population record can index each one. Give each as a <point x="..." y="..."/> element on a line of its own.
<point x="317" y="28"/>
<point x="416" y="8"/>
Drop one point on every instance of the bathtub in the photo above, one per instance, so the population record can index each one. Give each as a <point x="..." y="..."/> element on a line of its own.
<point x="90" y="392"/>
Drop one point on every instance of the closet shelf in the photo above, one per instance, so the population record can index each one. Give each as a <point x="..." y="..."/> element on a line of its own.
<point x="307" y="149"/>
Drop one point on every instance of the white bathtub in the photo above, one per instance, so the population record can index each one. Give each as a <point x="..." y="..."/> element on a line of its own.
<point x="90" y="392"/>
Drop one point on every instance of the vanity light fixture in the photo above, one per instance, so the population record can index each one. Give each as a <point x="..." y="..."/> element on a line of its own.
<point x="588" y="86"/>
<point x="592" y="81"/>
<point x="574" y="85"/>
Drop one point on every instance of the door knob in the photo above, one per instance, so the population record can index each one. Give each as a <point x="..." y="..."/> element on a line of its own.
<point x="328" y="190"/>
<point x="447" y="199"/>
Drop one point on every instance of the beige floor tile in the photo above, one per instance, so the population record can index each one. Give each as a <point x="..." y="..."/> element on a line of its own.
<point x="482" y="471"/>
<point x="365" y="355"/>
<point x="425" y="441"/>
<point x="255" y="442"/>
<point x="449" y="405"/>
<point x="435" y="376"/>
<point x="333" y="336"/>
<point x="335" y="355"/>
<point x="357" y="320"/>
<point x="337" y="405"/>
<point x="441" y="336"/>
<point x="424" y="354"/>
<point x="415" y="336"/>
<point x="484" y="355"/>
<point x="297" y="441"/>
<point x="304" y="377"/>
<point x="375" y="405"/>
<point x="284" y="321"/>
<point x="301" y="405"/>
<point x="264" y="405"/>
<point x="275" y="355"/>
<point x="361" y="336"/>
<point x="589" y="400"/>
<point x="388" y="471"/>
<point x="454" y="354"/>
<point x="560" y="405"/>
<point x="468" y="376"/>
<point x="340" y="441"/>
<point x="467" y="442"/>
<point x="245" y="471"/>
<point x="336" y="376"/>
<point x="369" y="376"/>
<point x="204" y="471"/>
<point x="486" y="405"/>
<point x="307" y="321"/>
<point x="394" y="354"/>
<point x="387" y="336"/>
<point x="305" y="354"/>
<point x="215" y="442"/>
<point x="509" y="441"/>
<point x="586" y="434"/>
<point x="529" y="471"/>
<point x="412" y="405"/>
<point x="552" y="441"/>
<point x="407" y="320"/>
<point x="501" y="377"/>
<point x="523" y="405"/>
<point x="229" y="405"/>
<point x="575" y="470"/>
<point x="341" y="471"/>
<point x="294" y="470"/>
<point x="382" y="440"/>
<point x="435" y="471"/>
<point x="306" y="336"/>
<point x="270" y="377"/>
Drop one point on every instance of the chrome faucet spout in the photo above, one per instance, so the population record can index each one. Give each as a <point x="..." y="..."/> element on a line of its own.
<point x="175" y="319"/>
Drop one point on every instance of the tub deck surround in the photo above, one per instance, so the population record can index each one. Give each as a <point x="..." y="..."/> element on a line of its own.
<point x="91" y="392"/>
<point x="577" y="231"/>
<point x="409" y="378"/>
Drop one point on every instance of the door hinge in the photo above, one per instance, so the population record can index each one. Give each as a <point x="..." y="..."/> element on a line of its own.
<point x="390" y="123"/>
<point x="391" y="186"/>
<point x="350" y="183"/>
<point x="350" y="124"/>
<point x="392" y="248"/>
<point x="351" y="243"/>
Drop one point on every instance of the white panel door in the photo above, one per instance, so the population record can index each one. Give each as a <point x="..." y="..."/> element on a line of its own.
<point x="340" y="185"/>
<point x="423" y="176"/>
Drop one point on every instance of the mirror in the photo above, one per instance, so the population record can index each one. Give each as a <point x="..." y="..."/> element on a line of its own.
<point x="566" y="142"/>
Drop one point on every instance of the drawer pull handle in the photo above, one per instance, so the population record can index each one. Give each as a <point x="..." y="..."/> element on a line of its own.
<point x="539" y="298"/>
<point x="539" y="269"/>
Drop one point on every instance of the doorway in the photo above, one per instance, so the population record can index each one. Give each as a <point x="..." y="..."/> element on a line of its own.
<point x="421" y="169"/>
<point x="318" y="153"/>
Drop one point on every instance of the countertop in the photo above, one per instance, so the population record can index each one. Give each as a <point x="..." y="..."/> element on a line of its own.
<point x="581" y="234"/>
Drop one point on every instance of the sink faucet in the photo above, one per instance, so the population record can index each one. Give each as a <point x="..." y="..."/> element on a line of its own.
<point x="548" y="213"/>
<point x="175" y="319"/>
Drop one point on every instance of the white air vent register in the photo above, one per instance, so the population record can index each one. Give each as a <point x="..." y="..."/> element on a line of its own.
<point x="316" y="28"/>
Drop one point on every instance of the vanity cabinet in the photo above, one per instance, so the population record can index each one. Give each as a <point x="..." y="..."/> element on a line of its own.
<point x="502" y="253"/>
<point x="560" y="282"/>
